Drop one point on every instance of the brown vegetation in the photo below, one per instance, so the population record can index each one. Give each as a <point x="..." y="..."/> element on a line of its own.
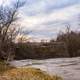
<point x="10" y="73"/>
<point x="8" y="30"/>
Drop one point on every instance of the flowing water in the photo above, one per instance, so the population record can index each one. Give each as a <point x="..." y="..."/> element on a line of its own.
<point x="68" y="68"/>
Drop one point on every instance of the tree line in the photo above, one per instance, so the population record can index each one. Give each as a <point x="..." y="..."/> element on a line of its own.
<point x="66" y="45"/>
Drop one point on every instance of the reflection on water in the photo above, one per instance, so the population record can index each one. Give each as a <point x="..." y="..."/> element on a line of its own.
<point x="68" y="68"/>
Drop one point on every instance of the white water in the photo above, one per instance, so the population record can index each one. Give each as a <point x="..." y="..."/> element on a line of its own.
<point x="68" y="68"/>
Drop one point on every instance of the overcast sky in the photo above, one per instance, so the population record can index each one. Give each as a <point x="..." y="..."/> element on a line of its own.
<point x="46" y="18"/>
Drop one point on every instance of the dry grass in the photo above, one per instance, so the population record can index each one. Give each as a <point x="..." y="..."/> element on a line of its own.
<point x="4" y="67"/>
<point x="9" y="73"/>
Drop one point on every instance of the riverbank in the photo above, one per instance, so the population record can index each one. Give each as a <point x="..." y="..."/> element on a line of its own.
<point x="11" y="73"/>
<point x="68" y="68"/>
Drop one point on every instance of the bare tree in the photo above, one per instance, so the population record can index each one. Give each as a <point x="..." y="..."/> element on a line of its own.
<point x="8" y="31"/>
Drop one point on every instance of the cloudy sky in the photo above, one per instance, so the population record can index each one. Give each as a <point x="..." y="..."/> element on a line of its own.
<point x="46" y="18"/>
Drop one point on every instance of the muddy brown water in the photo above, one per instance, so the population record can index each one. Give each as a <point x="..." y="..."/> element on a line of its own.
<point x="68" y="68"/>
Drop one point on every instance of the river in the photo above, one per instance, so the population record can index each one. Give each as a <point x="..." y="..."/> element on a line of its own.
<point x="68" y="68"/>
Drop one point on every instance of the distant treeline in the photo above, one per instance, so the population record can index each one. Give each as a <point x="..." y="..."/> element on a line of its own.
<point x="66" y="45"/>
